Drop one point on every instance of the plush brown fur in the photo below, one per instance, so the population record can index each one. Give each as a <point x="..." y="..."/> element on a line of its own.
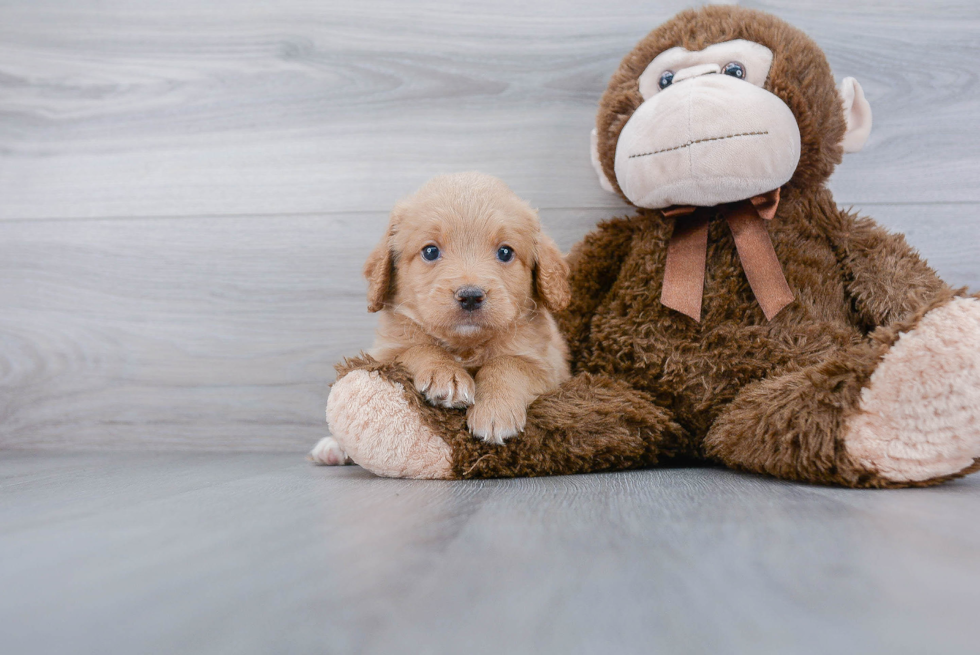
<point x="497" y="358"/>
<point x="604" y="426"/>
<point x="651" y="385"/>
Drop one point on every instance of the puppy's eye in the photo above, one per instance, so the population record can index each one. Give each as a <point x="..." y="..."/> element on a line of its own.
<point x="505" y="253"/>
<point x="430" y="253"/>
<point x="666" y="78"/>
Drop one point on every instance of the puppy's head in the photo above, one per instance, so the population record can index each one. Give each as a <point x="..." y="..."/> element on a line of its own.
<point x="463" y="257"/>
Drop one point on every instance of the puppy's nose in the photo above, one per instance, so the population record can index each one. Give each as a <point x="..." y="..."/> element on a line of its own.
<point x="470" y="298"/>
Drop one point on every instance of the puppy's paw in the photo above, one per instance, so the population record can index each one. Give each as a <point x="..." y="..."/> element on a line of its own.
<point x="327" y="452"/>
<point x="496" y="419"/>
<point x="446" y="386"/>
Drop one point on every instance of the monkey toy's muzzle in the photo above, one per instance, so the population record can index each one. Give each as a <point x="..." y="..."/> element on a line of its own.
<point x="705" y="141"/>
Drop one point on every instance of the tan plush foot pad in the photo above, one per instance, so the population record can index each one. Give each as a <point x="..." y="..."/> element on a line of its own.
<point x="920" y="414"/>
<point x="376" y="426"/>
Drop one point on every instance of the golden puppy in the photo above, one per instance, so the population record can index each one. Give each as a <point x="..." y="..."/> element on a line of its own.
<point x="465" y="281"/>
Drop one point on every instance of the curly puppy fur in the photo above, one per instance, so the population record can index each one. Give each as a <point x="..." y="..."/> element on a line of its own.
<point x="498" y="355"/>
<point x="777" y="397"/>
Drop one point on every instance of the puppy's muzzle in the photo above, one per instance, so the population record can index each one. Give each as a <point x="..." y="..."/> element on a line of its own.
<point x="470" y="298"/>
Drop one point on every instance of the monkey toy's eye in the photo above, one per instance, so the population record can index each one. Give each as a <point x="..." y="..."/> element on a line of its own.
<point x="734" y="69"/>
<point x="430" y="253"/>
<point x="505" y="253"/>
<point x="666" y="78"/>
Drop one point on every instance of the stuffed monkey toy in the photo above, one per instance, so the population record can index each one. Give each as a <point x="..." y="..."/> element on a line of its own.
<point x="739" y="317"/>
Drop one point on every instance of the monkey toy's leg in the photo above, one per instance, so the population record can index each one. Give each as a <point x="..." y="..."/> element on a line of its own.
<point x="591" y="423"/>
<point x="900" y="410"/>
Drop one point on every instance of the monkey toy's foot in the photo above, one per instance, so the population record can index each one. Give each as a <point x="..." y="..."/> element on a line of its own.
<point x="919" y="417"/>
<point x="376" y="426"/>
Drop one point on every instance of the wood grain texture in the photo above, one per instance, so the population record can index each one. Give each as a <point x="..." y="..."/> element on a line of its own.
<point x="245" y="108"/>
<point x="134" y="109"/>
<point x="203" y="333"/>
<point x="188" y="190"/>
<point x="263" y="553"/>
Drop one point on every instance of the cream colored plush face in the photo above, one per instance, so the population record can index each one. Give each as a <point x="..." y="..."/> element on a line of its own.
<point x="708" y="137"/>
<point x="468" y="220"/>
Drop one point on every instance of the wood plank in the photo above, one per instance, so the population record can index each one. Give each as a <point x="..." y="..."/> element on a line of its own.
<point x="184" y="333"/>
<point x="217" y="332"/>
<point x="127" y="109"/>
<point x="257" y="553"/>
<point x="238" y="108"/>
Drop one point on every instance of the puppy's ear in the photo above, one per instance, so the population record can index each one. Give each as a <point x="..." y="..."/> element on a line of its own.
<point x="379" y="269"/>
<point x="551" y="275"/>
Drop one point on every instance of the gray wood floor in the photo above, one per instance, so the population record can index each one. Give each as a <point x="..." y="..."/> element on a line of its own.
<point x="261" y="553"/>
<point x="188" y="190"/>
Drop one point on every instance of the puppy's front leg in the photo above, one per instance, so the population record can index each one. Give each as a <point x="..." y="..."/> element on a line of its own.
<point x="505" y="386"/>
<point x="441" y="380"/>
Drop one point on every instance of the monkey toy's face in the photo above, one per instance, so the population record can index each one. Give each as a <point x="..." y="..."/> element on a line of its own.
<point x="718" y="121"/>
<point x="707" y="132"/>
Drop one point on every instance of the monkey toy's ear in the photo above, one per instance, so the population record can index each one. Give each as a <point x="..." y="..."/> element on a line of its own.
<point x="597" y="165"/>
<point x="857" y="113"/>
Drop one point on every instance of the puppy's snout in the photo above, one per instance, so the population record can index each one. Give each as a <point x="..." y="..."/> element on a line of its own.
<point x="470" y="298"/>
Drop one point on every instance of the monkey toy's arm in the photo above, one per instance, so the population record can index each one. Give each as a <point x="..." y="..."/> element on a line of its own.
<point x="595" y="263"/>
<point x="886" y="278"/>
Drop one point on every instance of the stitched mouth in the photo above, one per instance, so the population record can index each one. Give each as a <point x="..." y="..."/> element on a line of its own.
<point x="691" y="143"/>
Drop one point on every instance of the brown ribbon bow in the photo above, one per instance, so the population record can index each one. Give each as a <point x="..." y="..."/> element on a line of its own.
<point x="688" y="247"/>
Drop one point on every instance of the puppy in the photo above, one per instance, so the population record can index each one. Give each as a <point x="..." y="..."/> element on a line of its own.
<point x="465" y="282"/>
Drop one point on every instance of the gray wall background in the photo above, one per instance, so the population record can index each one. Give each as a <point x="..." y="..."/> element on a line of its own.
<point x="188" y="190"/>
